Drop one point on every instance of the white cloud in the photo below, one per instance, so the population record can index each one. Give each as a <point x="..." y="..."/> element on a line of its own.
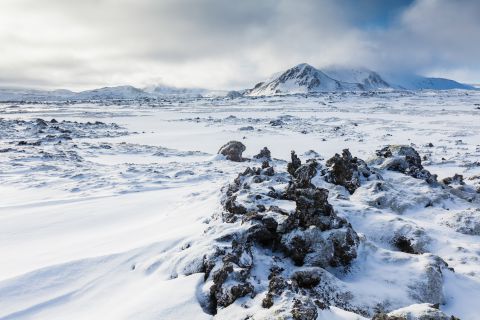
<point x="222" y="44"/>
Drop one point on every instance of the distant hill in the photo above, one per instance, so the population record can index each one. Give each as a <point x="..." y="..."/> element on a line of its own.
<point x="106" y="93"/>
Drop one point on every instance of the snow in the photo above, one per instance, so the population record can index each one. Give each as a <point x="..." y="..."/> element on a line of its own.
<point x="303" y="79"/>
<point x="114" y="223"/>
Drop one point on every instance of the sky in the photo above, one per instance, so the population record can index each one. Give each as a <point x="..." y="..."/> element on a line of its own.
<point x="227" y="44"/>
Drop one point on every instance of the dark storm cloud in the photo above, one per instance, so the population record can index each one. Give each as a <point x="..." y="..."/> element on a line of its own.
<point x="220" y="44"/>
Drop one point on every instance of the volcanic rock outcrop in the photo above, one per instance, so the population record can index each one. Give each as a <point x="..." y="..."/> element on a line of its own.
<point x="404" y="159"/>
<point x="295" y="224"/>
<point x="347" y="171"/>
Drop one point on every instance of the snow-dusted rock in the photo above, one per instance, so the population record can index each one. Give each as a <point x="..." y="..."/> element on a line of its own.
<point x="404" y="159"/>
<point x="347" y="171"/>
<point x="309" y="234"/>
<point x="233" y="150"/>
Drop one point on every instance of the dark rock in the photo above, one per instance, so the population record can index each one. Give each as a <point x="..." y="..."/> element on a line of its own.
<point x="294" y="164"/>
<point x="233" y="151"/>
<point x="347" y="171"/>
<point x="247" y="128"/>
<point x="306" y="278"/>
<point x="304" y="310"/>
<point x="299" y="235"/>
<point x="404" y="244"/>
<point x="276" y="123"/>
<point x="456" y="179"/>
<point x="264" y="154"/>
<point x="384" y="316"/>
<point x="304" y="174"/>
<point x="41" y="123"/>
<point x="404" y="159"/>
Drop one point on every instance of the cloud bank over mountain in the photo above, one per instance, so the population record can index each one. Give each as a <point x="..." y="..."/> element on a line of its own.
<point x="220" y="44"/>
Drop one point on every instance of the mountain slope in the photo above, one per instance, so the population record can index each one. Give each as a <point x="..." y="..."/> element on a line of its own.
<point x="304" y="78"/>
<point x="414" y="82"/>
<point x="368" y="79"/>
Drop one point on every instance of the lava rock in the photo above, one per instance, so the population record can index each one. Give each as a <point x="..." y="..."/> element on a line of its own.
<point x="294" y="164"/>
<point x="404" y="159"/>
<point x="233" y="151"/>
<point x="264" y="154"/>
<point x="304" y="310"/>
<point x="456" y="179"/>
<point x="347" y="171"/>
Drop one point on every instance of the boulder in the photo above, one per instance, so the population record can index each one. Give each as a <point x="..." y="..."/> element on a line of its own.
<point x="264" y="154"/>
<point x="404" y="159"/>
<point x="347" y="171"/>
<point x="233" y="151"/>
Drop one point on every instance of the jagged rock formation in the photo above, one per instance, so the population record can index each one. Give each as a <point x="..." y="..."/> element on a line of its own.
<point x="309" y="235"/>
<point x="404" y="159"/>
<point x="347" y="171"/>
<point x="264" y="154"/>
<point x="233" y="150"/>
<point x="456" y="179"/>
<point x="282" y="251"/>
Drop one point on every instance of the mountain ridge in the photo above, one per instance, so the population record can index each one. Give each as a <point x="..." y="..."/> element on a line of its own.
<point x="300" y="79"/>
<point x="304" y="78"/>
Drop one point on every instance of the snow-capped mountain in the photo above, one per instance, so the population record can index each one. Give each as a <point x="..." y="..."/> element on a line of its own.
<point x="16" y="94"/>
<point x="174" y="91"/>
<point x="304" y="78"/>
<point x="112" y="93"/>
<point x="367" y="79"/>
<point x="415" y="82"/>
<point x="105" y="93"/>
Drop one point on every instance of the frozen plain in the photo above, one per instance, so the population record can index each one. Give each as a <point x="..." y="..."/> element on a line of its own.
<point x="107" y="223"/>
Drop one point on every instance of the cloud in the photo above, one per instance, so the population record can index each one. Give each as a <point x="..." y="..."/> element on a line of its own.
<point x="227" y="44"/>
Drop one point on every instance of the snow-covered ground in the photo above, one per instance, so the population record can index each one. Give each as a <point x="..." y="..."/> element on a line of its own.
<point x="107" y="210"/>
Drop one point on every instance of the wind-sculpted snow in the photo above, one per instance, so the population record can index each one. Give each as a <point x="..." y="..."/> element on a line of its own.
<point x="125" y="209"/>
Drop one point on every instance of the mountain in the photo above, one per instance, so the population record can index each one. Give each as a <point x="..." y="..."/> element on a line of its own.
<point x="112" y="93"/>
<point x="415" y="82"/>
<point x="367" y="79"/>
<point x="174" y="91"/>
<point x="106" y="93"/>
<point x="16" y="94"/>
<point x="304" y="78"/>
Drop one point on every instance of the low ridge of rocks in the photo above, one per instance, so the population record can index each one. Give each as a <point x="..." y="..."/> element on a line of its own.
<point x="286" y="243"/>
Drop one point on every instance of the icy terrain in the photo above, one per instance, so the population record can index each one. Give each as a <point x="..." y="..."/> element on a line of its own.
<point x="115" y="210"/>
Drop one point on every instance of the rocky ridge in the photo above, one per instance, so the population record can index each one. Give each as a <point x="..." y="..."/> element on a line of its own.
<point x="288" y="252"/>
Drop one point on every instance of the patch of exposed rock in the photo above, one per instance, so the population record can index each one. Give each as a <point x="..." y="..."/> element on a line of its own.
<point x="264" y="154"/>
<point x="456" y="179"/>
<point x="404" y="159"/>
<point x="233" y="150"/>
<point x="347" y="171"/>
